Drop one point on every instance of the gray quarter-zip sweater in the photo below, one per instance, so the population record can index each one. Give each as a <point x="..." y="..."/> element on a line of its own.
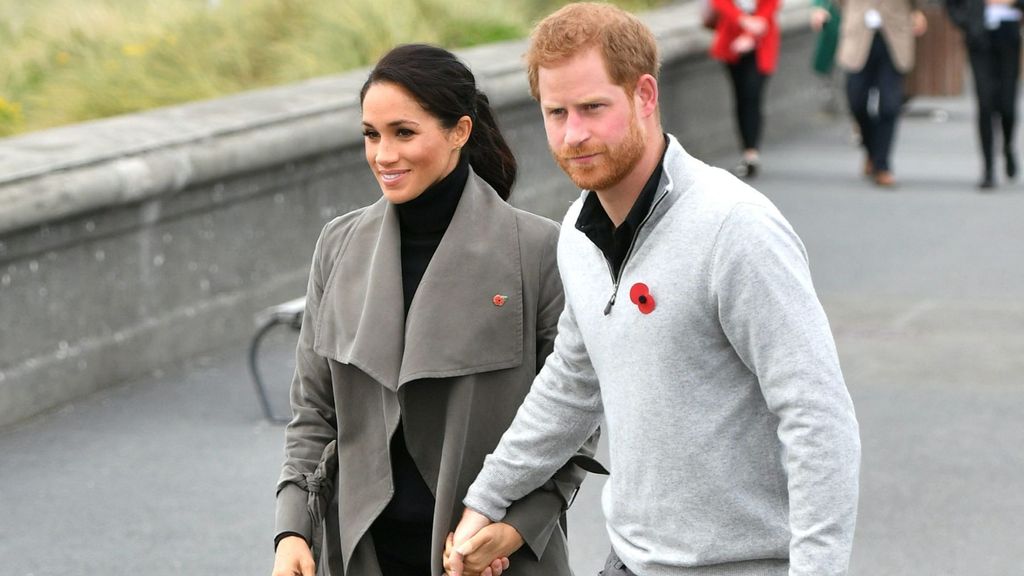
<point x="733" y="442"/>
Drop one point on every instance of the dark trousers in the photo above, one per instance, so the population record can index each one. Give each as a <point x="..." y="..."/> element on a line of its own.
<point x="995" y="65"/>
<point x="403" y="548"/>
<point x="877" y="131"/>
<point x="747" y="88"/>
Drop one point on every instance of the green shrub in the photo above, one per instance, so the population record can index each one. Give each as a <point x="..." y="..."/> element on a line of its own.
<point x="72" y="60"/>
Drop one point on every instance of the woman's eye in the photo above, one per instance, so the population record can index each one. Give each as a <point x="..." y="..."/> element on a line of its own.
<point x="372" y="135"/>
<point x="404" y="132"/>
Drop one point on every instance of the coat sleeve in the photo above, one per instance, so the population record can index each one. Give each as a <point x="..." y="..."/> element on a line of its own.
<point x="313" y="423"/>
<point x="535" y="515"/>
<point x="768" y="310"/>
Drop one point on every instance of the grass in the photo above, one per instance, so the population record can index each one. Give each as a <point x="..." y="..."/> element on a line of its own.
<point x="67" y="61"/>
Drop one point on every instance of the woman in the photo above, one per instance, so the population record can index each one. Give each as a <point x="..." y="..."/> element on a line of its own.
<point x="992" y="33"/>
<point x="747" y="41"/>
<point x="427" y="316"/>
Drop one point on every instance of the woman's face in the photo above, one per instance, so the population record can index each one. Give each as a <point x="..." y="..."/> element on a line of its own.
<point x="407" y="147"/>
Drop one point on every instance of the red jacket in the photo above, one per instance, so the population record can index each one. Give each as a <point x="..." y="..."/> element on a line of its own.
<point x="728" y="29"/>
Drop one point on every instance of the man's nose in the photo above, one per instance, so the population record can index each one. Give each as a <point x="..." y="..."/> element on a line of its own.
<point x="576" y="131"/>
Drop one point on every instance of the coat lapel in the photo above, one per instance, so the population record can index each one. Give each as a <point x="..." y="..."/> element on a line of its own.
<point x="466" y="316"/>
<point x="360" y="320"/>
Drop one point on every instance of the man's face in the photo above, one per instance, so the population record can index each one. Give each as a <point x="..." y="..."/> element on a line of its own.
<point x="591" y="123"/>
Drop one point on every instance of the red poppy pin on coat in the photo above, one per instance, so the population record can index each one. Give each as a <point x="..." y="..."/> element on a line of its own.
<point x="640" y="295"/>
<point x="499" y="300"/>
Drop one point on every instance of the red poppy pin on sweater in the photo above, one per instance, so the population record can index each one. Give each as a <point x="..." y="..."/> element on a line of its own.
<point x="640" y="295"/>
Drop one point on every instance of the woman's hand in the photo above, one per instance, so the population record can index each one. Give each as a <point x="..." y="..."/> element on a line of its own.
<point x="742" y="44"/>
<point x="293" y="558"/>
<point x="487" y="552"/>
<point x="753" y="25"/>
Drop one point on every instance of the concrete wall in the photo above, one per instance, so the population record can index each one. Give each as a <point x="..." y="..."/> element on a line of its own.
<point x="132" y="243"/>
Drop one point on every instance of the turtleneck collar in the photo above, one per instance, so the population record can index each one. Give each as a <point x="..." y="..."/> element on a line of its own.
<point x="432" y="210"/>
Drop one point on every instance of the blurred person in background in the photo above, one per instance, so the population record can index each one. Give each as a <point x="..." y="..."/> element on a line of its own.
<point x="992" y="33"/>
<point x="746" y="39"/>
<point x="825" y="18"/>
<point x="428" y="314"/>
<point x="876" y="49"/>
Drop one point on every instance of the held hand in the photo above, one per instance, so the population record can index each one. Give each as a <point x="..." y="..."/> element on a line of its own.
<point x="753" y="25"/>
<point x="471" y="523"/>
<point x="919" y="22"/>
<point x="293" y="558"/>
<point x="818" y="18"/>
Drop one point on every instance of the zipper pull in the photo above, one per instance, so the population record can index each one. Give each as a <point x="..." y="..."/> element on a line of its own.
<point x="611" y="302"/>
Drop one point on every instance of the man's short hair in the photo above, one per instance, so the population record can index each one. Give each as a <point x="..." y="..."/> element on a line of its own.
<point x="627" y="45"/>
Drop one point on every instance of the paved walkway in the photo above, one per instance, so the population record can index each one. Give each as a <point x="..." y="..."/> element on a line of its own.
<point x="924" y="286"/>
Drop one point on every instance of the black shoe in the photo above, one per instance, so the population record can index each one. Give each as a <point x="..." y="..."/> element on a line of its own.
<point x="1011" y="165"/>
<point x="987" y="184"/>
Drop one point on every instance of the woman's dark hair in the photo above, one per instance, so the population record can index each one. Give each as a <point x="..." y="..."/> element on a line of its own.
<point x="446" y="89"/>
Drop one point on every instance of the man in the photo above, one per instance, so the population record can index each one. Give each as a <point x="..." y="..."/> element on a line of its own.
<point x="690" y="325"/>
<point x="876" y="48"/>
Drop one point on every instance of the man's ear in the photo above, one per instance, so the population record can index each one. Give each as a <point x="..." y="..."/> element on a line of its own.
<point x="646" y="95"/>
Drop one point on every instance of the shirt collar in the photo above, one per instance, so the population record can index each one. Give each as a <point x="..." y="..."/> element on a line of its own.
<point x="595" y="223"/>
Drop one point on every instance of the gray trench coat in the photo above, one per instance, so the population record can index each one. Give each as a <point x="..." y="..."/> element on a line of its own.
<point x="455" y="371"/>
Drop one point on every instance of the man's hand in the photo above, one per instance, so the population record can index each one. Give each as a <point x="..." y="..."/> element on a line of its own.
<point x="494" y="542"/>
<point x="293" y="558"/>
<point x="470" y="565"/>
<point x="471" y="523"/>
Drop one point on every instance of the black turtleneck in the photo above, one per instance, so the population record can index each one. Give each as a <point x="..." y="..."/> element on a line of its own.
<point x="423" y="222"/>
<point x="402" y="533"/>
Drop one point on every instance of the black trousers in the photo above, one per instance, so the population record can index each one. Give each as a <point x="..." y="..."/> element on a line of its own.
<point x="878" y="130"/>
<point x="995" y="64"/>
<point x="748" y="88"/>
<point x="403" y="548"/>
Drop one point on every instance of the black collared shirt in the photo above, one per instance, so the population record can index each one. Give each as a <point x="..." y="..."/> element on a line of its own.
<point x="614" y="242"/>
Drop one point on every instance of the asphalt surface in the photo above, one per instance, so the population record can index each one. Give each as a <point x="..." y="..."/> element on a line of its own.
<point x="924" y="287"/>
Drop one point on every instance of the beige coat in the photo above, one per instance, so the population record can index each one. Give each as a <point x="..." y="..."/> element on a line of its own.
<point x="454" y="371"/>
<point x="897" y="29"/>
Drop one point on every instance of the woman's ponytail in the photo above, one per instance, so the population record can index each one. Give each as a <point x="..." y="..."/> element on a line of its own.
<point x="487" y="151"/>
